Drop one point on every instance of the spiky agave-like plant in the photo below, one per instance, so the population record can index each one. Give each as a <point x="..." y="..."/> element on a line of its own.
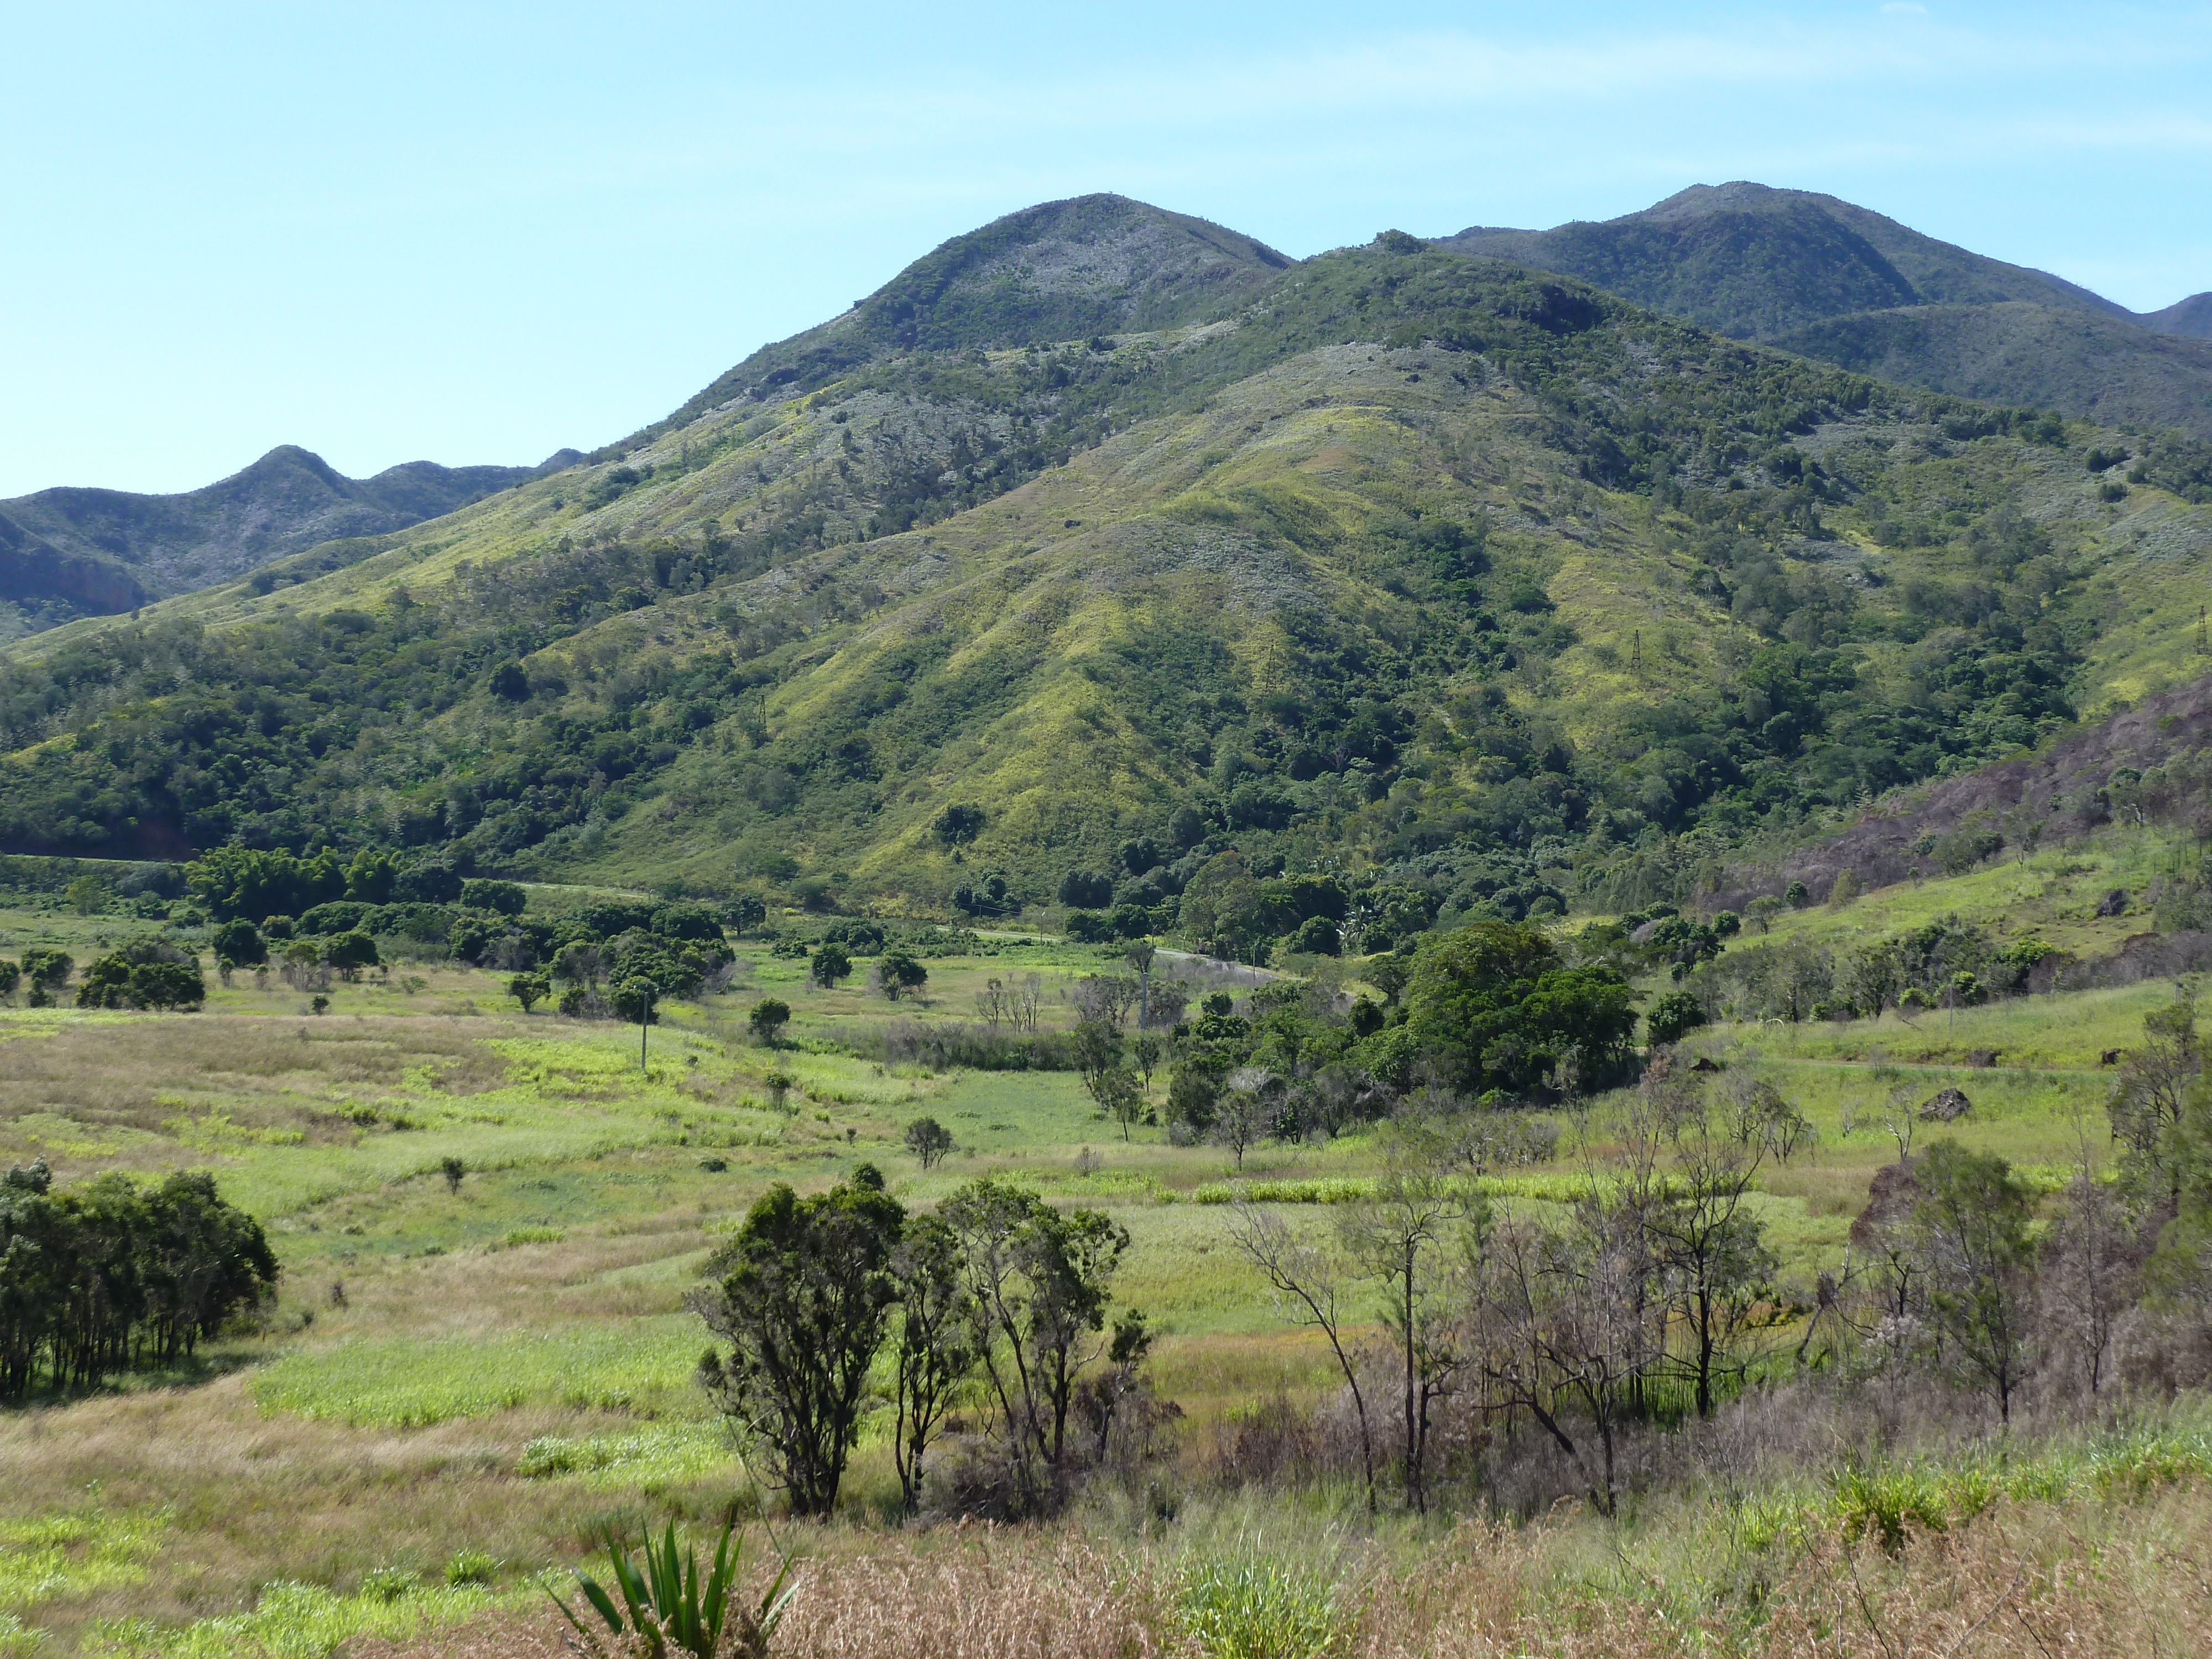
<point x="665" y="1601"/>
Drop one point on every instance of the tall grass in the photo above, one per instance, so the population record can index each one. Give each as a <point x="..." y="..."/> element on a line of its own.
<point x="640" y="1366"/>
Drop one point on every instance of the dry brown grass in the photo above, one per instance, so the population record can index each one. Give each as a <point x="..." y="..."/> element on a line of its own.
<point x="140" y="1073"/>
<point x="2017" y="1583"/>
<point x="969" y="1592"/>
<point x="256" y="1499"/>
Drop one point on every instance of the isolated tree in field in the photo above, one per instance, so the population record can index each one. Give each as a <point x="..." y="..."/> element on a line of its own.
<point x="829" y="964"/>
<point x="1140" y="957"/>
<point x="928" y="1140"/>
<point x="1708" y="1243"/>
<point x="801" y="1295"/>
<point x="1411" y="1237"/>
<point x="1039" y="1278"/>
<point x="1971" y="1226"/>
<point x="899" y="974"/>
<point x="1241" y="1112"/>
<point x="1311" y="1286"/>
<point x="2148" y="1100"/>
<point x="768" y="1018"/>
<point x="452" y="1168"/>
<point x="936" y="1340"/>
<point x="1107" y="1080"/>
<point x="529" y="989"/>
<point x="2091" y="1268"/>
<point x="350" y="953"/>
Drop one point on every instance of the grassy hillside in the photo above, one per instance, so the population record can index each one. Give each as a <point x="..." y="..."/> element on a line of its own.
<point x="1421" y="567"/>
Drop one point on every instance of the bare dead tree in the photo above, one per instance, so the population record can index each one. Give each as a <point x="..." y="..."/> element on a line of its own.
<point x="1414" y="1236"/>
<point x="1310" y="1286"/>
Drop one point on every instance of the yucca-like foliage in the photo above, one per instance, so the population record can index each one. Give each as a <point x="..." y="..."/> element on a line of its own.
<point x="665" y="1601"/>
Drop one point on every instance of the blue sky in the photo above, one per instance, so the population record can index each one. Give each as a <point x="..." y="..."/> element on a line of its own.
<point x="472" y="233"/>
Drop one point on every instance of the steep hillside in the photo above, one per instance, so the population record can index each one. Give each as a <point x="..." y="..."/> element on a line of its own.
<point x="1061" y="270"/>
<point x="100" y="550"/>
<point x="1486" y="589"/>
<point x="2074" y="360"/>
<point x="1755" y="262"/>
<point x="1834" y="280"/>
<point x="2191" y="317"/>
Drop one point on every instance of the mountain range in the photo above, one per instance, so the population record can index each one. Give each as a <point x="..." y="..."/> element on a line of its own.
<point x="1819" y="276"/>
<point x="1105" y="540"/>
<point x="71" y="552"/>
<point x="1804" y="272"/>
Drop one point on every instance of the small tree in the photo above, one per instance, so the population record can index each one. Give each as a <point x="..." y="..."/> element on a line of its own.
<point x="241" y="941"/>
<point x="1147" y="1051"/>
<point x="637" y="1001"/>
<point x="1410" y="1236"/>
<point x="768" y="1018"/>
<point x="956" y="826"/>
<point x="1107" y="1080"/>
<point x="2090" y="1269"/>
<point x="350" y="953"/>
<point x="452" y="1168"/>
<point x="829" y="964"/>
<point x="1673" y="1017"/>
<point x="1847" y="889"/>
<point x="937" y="1340"/>
<point x="1310" y="1287"/>
<point x="801" y="1295"/>
<point x="529" y="989"/>
<point x="1140" y="957"/>
<point x="1039" y="1277"/>
<point x="1875" y="978"/>
<point x="1709" y="1244"/>
<point x="1971" y="1225"/>
<point x="928" y="1140"/>
<point x="898" y="973"/>
<point x="2147" y="1103"/>
<point x="1240" y="1114"/>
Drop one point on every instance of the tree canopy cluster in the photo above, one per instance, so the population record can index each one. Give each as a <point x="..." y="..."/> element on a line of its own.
<point x="113" y="1276"/>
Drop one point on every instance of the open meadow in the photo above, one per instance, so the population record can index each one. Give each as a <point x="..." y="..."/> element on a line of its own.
<point x="479" y="1357"/>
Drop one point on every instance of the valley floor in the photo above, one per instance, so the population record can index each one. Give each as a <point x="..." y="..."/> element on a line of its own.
<point x="461" y="1384"/>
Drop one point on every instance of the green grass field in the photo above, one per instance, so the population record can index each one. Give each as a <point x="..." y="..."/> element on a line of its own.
<point x="505" y="1366"/>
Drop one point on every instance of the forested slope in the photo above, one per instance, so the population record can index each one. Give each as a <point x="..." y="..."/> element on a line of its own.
<point x="1476" y="585"/>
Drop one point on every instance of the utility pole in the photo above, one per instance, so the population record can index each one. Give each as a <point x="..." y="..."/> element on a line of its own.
<point x="644" y="1022"/>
